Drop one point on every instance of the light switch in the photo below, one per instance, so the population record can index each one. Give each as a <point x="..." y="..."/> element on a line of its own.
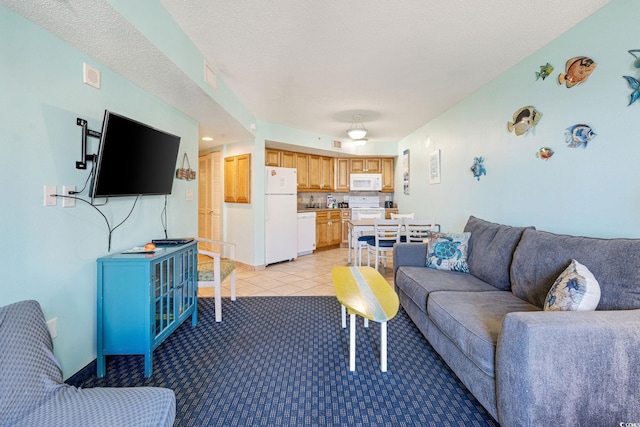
<point x="189" y="195"/>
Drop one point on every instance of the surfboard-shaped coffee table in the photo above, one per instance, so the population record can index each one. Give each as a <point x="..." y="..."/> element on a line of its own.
<point x="363" y="291"/>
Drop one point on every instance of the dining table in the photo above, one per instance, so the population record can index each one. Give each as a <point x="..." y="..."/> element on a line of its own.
<point x="357" y="228"/>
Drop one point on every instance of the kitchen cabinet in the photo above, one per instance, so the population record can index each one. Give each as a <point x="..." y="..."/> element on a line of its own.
<point x="388" y="212"/>
<point x="365" y="165"/>
<point x="237" y="179"/>
<point x="302" y="166"/>
<point x="387" y="175"/>
<point x="342" y="175"/>
<point x="326" y="173"/>
<point x="315" y="172"/>
<point x="328" y="228"/>
<point x="345" y="217"/>
<point x="329" y="174"/>
<point x="272" y="157"/>
<point x="288" y="159"/>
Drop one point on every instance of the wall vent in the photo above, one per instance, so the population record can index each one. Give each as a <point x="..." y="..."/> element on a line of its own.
<point x="210" y="76"/>
<point x="337" y="144"/>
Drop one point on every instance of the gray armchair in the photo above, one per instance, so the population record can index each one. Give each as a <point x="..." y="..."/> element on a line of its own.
<point x="32" y="392"/>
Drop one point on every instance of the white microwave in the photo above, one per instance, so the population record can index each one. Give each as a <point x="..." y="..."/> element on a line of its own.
<point x="365" y="182"/>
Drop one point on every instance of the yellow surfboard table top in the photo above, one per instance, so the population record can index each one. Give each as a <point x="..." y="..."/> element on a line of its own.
<point x="363" y="291"/>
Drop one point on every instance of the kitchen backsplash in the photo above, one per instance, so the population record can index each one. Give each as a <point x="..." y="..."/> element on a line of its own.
<point x="319" y="200"/>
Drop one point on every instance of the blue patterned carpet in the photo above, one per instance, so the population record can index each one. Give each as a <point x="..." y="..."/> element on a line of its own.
<point x="283" y="361"/>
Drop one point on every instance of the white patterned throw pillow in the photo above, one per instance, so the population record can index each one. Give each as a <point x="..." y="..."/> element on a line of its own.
<point x="576" y="289"/>
<point x="449" y="252"/>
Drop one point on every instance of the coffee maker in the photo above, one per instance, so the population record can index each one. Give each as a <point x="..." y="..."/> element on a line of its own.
<point x="388" y="204"/>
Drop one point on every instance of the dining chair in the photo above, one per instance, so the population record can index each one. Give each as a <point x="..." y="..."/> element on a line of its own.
<point x="362" y="241"/>
<point x="418" y="230"/>
<point x="386" y="233"/>
<point x="400" y="216"/>
<point x="216" y="262"/>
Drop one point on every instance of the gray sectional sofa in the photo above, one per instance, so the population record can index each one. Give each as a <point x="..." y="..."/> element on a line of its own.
<point x="32" y="392"/>
<point x="527" y="366"/>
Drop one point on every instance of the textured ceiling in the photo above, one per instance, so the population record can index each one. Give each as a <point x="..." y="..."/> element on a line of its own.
<point x="312" y="65"/>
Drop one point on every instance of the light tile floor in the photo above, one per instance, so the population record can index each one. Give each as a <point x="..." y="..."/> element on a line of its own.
<point x="308" y="275"/>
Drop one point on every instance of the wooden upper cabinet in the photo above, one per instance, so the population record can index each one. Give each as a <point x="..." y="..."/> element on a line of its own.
<point x="327" y="176"/>
<point x="302" y="165"/>
<point x="272" y="157"/>
<point x="364" y="165"/>
<point x="288" y="159"/>
<point x="237" y="179"/>
<point x="315" y="172"/>
<point x="387" y="175"/>
<point x="321" y="173"/>
<point x="342" y="175"/>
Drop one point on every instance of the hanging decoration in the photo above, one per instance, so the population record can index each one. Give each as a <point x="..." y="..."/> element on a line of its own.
<point x="633" y="82"/>
<point x="183" y="173"/>
<point x="545" y="71"/>
<point x="524" y="120"/>
<point x="544" y="153"/>
<point x="579" y="135"/>
<point x="477" y="168"/>
<point x="577" y="70"/>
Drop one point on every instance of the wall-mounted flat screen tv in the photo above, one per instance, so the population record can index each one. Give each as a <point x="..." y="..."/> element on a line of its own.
<point x="134" y="159"/>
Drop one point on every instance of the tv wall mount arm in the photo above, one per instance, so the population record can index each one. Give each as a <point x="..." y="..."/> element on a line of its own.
<point x="82" y="164"/>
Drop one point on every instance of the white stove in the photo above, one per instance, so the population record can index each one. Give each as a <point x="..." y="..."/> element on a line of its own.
<point x="365" y="205"/>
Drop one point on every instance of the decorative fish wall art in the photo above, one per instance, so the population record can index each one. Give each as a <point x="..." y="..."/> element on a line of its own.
<point x="477" y="168"/>
<point x="633" y="82"/>
<point x="524" y="120"/>
<point x="545" y="71"/>
<point x="544" y="153"/>
<point x="577" y="70"/>
<point x="579" y="135"/>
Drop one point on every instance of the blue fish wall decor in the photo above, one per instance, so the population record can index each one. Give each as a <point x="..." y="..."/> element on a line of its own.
<point x="478" y="167"/>
<point x="579" y="135"/>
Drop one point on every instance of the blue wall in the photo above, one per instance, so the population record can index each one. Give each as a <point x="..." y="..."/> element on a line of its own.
<point x="49" y="253"/>
<point x="592" y="191"/>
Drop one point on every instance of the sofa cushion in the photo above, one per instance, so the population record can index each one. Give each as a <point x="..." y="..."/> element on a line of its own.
<point x="491" y="250"/>
<point x="576" y="289"/>
<point x="473" y="320"/>
<point x="418" y="282"/>
<point x="541" y="256"/>
<point x="449" y="252"/>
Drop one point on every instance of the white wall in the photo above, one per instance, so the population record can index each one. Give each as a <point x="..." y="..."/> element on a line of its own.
<point x="592" y="191"/>
<point x="49" y="253"/>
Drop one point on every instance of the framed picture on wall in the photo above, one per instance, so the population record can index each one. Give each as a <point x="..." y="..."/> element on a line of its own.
<point x="434" y="167"/>
<point x="405" y="171"/>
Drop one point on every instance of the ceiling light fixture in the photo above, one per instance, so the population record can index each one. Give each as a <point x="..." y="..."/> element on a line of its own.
<point x="207" y="138"/>
<point x="361" y="141"/>
<point x="357" y="129"/>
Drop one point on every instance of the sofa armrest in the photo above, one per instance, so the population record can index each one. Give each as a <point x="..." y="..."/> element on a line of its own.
<point x="568" y="368"/>
<point x="409" y="254"/>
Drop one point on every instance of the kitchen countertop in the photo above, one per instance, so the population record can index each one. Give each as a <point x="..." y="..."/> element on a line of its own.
<point x="331" y="209"/>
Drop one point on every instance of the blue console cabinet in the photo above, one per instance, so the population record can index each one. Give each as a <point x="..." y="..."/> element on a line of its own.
<point x="142" y="299"/>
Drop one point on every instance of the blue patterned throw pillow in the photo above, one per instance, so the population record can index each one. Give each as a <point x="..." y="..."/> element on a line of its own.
<point x="449" y="252"/>
<point x="576" y="289"/>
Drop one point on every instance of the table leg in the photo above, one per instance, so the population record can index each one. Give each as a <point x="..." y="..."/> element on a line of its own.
<point x="344" y="316"/>
<point x="350" y="240"/>
<point x="383" y="346"/>
<point x="352" y="342"/>
<point x="366" y="322"/>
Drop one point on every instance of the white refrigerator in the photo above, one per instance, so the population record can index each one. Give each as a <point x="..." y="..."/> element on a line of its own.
<point x="281" y="214"/>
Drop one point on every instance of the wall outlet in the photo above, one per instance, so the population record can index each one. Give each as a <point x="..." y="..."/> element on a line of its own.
<point x="189" y="195"/>
<point x="68" y="202"/>
<point x="50" y="200"/>
<point x="53" y="327"/>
